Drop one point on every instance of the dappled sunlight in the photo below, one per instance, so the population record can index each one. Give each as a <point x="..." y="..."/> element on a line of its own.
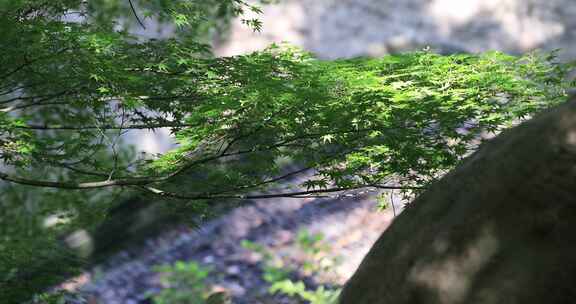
<point x="56" y="219"/>
<point x="81" y="242"/>
<point x="352" y="237"/>
<point x="450" y="276"/>
<point x="76" y="283"/>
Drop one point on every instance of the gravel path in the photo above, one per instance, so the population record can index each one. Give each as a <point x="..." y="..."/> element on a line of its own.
<point x="349" y="224"/>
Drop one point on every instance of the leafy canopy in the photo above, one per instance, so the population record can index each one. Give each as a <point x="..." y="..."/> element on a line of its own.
<point x="75" y="80"/>
<point x="359" y="122"/>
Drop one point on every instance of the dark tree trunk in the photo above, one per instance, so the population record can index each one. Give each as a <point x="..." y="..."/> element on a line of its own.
<point x="501" y="228"/>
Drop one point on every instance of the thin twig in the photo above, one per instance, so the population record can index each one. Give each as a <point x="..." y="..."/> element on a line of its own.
<point x="136" y="14"/>
<point x="103" y="127"/>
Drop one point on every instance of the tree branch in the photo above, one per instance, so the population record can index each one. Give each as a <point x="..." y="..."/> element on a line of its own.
<point x="104" y="127"/>
<point x="296" y="194"/>
<point x="30" y="62"/>
<point x="136" y="14"/>
<point x="79" y="186"/>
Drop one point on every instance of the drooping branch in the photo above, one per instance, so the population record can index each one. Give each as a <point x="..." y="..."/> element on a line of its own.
<point x="142" y="183"/>
<point x="104" y="127"/>
<point x="295" y="194"/>
<point x="136" y="14"/>
<point x="79" y="186"/>
<point x="28" y="63"/>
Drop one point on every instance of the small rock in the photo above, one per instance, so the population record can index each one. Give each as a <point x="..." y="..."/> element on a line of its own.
<point x="235" y="289"/>
<point x="283" y="237"/>
<point x="209" y="259"/>
<point x="233" y="270"/>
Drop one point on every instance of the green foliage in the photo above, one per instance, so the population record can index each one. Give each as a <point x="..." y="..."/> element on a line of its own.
<point x="316" y="262"/>
<point x="316" y="252"/>
<point x="272" y="266"/>
<point x="184" y="283"/>
<point x="358" y="122"/>
<point x="317" y="296"/>
<point x="33" y="230"/>
<point x="383" y="202"/>
<point x="57" y="297"/>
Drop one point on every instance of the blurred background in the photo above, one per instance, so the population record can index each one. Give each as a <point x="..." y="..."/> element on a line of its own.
<point x="348" y="28"/>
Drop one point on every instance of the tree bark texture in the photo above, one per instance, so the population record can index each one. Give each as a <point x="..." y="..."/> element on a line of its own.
<point x="500" y="228"/>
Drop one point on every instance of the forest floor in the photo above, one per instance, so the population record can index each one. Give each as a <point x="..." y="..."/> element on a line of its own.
<point x="349" y="225"/>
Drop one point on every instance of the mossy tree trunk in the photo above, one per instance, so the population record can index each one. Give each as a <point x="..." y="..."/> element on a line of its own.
<point x="501" y="228"/>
